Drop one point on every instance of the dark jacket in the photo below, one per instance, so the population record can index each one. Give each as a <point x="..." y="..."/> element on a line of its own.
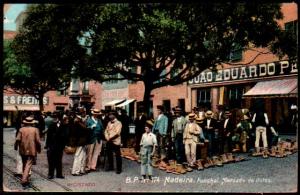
<point x="140" y="125"/>
<point x="228" y="129"/>
<point x="57" y="137"/>
<point x="81" y="133"/>
<point x="213" y="124"/>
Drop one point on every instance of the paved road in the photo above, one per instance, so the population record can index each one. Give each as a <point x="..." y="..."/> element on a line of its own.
<point x="254" y="175"/>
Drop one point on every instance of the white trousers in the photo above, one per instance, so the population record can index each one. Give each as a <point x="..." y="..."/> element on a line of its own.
<point x="79" y="160"/>
<point x="261" y="131"/>
<point x="93" y="151"/>
<point x="190" y="151"/>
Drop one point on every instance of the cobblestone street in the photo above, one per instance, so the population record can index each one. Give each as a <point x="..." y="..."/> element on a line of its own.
<point x="253" y="175"/>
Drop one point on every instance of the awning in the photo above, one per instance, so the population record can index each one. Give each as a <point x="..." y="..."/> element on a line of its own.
<point x="274" y="88"/>
<point x="21" y="107"/>
<point x="125" y="103"/>
<point x="114" y="102"/>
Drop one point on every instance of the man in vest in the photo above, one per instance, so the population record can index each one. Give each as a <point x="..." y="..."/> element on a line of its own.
<point x="260" y="121"/>
<point x="160" y="129"/>
<point x="210" y="127"/>
<point x="178" y="126"/>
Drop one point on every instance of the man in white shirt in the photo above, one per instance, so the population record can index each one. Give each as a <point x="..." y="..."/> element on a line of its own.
<point x="148" y="145"/>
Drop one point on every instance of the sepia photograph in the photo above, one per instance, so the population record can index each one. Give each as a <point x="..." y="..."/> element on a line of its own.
<point x="150" y="97"/>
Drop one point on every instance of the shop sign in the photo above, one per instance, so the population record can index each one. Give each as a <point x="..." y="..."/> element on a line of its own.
<point x="247" y="72"/>
<point x="23" y="100"/>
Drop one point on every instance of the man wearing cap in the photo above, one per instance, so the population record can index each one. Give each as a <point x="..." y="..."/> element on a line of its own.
<point x="178" y="126"/>
<point x="57" y="137"/>
<point x="210" y="132"/>
<point x="243" y="128"/>
<point x="148" y="144"/>
<point x="190" y="139"/>
<point x="95" y="140"/>
<point x="29" y="144"/>
<point x="160" y="129"/>
<point x="113" y="136"/>
<point x="226" y="127"/>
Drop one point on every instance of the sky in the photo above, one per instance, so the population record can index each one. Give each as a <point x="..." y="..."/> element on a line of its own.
<point x="11" y="15"/>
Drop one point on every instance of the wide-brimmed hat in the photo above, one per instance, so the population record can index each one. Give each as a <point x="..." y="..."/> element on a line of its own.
<point x="227" y="112"/>
<point x="177" y="110"/>
<point x="208" y="113"/>
<point x="96" y="111"/>
<point x="195" y="108"/>
<point x="245" y="117"/>
<point x="192" y="116"/>
<point x="113" y="112"/>
<point x="199" y="120"/>
<point x="29" y="120"/>
<point x="149" y="123"/>
<point x="160" y="107"/>
<point x="245" y="110"/>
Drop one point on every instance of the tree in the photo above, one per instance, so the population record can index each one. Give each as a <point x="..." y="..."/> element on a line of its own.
<point x="173" y="43"/>
<point x="43" y="52"/>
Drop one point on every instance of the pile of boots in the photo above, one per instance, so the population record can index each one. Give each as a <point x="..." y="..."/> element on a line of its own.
<point x="283" y="149"/>
<point x="130" y="154"/>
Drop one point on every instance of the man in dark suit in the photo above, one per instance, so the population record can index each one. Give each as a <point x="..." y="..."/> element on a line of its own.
<point x="57" y="137"/>
<point x="210" y="130"/>
<point x="140" y="123"/>
<point x="226" y="131"/>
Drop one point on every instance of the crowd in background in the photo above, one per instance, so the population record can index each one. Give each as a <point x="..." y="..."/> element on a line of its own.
<point x="174" y="135"/>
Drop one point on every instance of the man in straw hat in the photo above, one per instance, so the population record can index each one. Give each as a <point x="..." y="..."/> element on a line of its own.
<point x="210" y="132"/>
<point x="160" y="129"/>
<point x="178" y="126"/>
<point x="28" y="142"/>
<point x="95" y="139"/>
<point x="191" y="138"/>
<point x="113" y="137"/>
<point x="148" y="145"/>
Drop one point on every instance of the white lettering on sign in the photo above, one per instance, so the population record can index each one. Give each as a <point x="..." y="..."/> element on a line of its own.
<point x="245" y="72"/>
<point x="271" y="69"/>
<point x="252" y="70"/>
<point x="284" y="65"/>
<point x="227" y="74"/>
<point x="294" y="68"/>
<point x="23" y="100"/>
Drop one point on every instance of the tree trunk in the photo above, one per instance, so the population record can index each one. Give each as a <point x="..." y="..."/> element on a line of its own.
<point x="146" y="100"/>
<point x="41" y="102"/>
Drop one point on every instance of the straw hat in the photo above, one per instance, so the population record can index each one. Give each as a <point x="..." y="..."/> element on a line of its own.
<point x="208" y="113"/>
<point x="29" y="120"/>
<point x="177" y="110"/>
<point x="149" y="124"/>
<point x="192" y="116"/>
<point x="227" y="112"/>
<point x="96" y="111"/>
<point x="246" y="117"/>
<point x="199" y="120"/>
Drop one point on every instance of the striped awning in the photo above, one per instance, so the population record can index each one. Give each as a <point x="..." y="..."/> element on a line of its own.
<point x="125" y="103"/>
<point x="274" y="88"/>
<point x="21" y="107"/>
<point x="114" y="102"/>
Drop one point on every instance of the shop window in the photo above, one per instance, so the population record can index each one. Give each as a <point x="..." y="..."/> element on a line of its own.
<point x="85" y="89"/>
<point x="181" y="104"/>
<point x="203" y="98"/>
<point x="292" y="27"/>
<point x="235" y="95"/>
<point x="236" y="53"/>
<point x="167" y="105"/>
<point x="60" y="108"/>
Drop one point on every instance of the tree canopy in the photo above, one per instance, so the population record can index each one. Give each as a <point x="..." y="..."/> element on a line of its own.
<point x="159" y="44"/>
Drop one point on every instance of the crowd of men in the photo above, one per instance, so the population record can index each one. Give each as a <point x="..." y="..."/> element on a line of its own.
<point x="169" y="136"/>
